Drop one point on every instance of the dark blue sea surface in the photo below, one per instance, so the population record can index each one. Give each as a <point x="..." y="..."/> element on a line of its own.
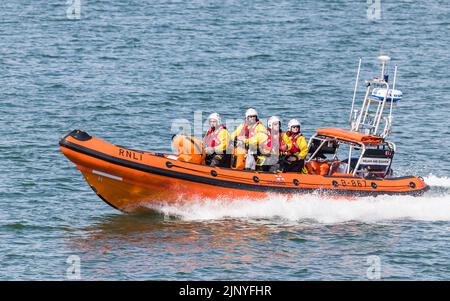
<point x="125" y="70"/>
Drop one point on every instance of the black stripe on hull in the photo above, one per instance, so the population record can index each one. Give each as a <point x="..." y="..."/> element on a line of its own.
<point x="106" y="201"/>
<point x="102" y="198"/>
<point x="224" y="183"/>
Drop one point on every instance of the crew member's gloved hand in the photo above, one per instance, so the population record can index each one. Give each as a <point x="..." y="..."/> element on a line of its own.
<point x="292" y="159"/>
<point x="209" y="150"/>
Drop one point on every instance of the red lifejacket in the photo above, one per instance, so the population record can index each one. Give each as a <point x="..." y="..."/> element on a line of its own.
<point x="211" y="139"/>
<point x="248" y="132"/>
<point x="294" y="149"/>
<point x="269" y="143"/>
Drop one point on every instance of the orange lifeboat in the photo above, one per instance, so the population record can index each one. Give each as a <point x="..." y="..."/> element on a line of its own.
<point x="130" y="179"/>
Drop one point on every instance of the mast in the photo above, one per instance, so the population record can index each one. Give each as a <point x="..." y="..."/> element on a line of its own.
<point x="373" y="113"/>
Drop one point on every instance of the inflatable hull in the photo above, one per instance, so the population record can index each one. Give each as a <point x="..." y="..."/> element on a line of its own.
<point x="129" y="180"/>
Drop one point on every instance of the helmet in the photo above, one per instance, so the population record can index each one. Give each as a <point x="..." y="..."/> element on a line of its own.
<point x="293" y="122"/>
<point x="272" y="120"/>
<point x="251" y="112"/>
<point x="215" y="116"/>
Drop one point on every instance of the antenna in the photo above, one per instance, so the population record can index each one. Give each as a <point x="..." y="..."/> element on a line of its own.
<point x="393" y="90"/>
<point x="356" y="88"/>
<point x="384" y="59"/>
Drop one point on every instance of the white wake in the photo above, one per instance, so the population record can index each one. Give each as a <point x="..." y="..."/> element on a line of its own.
<point x="429" y="207"/>
<point x="436" y="181"/>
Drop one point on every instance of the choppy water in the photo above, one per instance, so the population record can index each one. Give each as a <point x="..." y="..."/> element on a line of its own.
<point x="126" y="69"/>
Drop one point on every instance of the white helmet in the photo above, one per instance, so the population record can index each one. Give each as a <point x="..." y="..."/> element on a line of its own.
<point x="215" y="116"/>
<point x="293" y="122"/>
<point x="251" y="112"/>
<point x="272" y="120"/>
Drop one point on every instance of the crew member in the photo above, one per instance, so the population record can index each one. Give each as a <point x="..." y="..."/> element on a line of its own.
<point x="273" y="147"/>
<point x="216" y="142"/>
<point x="297" y="148"/>
<point x="247" y="139"/>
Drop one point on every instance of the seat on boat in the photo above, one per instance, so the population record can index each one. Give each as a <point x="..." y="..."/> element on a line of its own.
<point x="322" y="168"/>
<point x="317" y="168"/>
<point x="189" y="149"/>
<point x="334" y="167"/>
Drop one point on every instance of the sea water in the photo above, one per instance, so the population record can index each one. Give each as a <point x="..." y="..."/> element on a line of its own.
<point x="125" y="70"/>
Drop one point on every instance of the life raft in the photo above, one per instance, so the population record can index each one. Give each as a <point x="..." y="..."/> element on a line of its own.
<point x="130" y="179"/>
